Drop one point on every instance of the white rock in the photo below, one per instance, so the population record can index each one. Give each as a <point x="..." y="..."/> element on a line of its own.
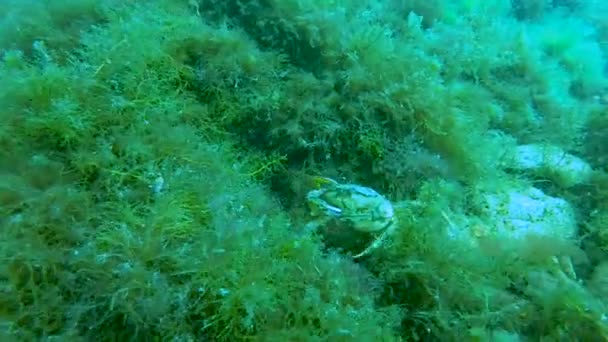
<point x="551" y="162"/>
<point x="518" y="213"/>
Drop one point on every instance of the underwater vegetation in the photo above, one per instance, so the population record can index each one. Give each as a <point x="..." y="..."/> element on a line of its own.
<point x="158" y="159"/>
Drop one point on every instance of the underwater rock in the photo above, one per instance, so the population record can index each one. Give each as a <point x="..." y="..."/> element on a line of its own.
<point x="518" y="213"/>
<point x="514" y="214"/>
<point x="520" y="217"/>
<point x="551" y="162"/>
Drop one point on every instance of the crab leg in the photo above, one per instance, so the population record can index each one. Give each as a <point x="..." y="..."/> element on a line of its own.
<point x="379" y="240"/>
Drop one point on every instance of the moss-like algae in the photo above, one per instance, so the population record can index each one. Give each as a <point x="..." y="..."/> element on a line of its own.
<point x="155" y="156"/>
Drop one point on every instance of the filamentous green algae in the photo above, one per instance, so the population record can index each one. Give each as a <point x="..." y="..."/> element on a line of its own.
<point x="158" y="159"/>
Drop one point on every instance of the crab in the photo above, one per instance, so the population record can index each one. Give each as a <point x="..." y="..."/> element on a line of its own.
<point x="355" y="207"/>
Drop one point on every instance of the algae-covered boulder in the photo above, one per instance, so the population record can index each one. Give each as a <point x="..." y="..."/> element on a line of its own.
<point x="520" y="212"/>
<point x="551" y="162"/>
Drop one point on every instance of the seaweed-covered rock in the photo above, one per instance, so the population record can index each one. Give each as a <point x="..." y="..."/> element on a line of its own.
<point x="551" y="162"/>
